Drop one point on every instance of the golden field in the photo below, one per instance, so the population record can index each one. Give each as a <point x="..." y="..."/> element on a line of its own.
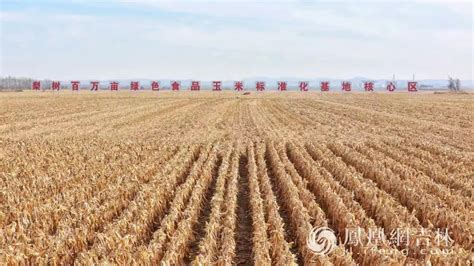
<point x="225" y="178"/>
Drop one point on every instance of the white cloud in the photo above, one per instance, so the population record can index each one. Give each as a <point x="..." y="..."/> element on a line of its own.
<point x="207" y="40"/>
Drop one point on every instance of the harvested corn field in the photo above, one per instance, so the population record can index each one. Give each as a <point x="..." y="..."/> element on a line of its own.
<point x="202" y="178"/>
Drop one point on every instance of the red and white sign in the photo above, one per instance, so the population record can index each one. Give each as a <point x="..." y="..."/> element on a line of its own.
<point x="114" y="86"/>
<point x="195" y="86"/>
<point x="94" y="85"/>
<point x="175" y="85"/>
<point x="304" y="85"/>
<point x="75" y="85"/>
<point x="368" y="86"/>
<point x="346" y="86"/>
<point x="56" y="85"/>
<point x="325" y="86"/>
<point x="36" y="86"/>
<point x="238" y="86"/>
<point x="412" y="86"/>
<point x="391" y="86"/>
<point x="134" y="85"/>
<point x="282" y="85"/>
<point x="155" y="85"/>
<point x="216" y="85"/>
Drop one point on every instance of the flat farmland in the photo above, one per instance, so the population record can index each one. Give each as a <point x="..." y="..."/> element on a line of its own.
<point x="225" y="178"/>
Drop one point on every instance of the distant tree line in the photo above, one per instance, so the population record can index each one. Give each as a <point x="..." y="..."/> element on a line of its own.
<point x="454" y="85"/>
<point x="15" y="83"/>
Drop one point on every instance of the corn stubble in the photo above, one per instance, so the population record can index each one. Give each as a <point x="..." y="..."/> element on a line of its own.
<point x="202" y="179"/>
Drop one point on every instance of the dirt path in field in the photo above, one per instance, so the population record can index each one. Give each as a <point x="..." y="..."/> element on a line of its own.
<point x="243" y="234"/>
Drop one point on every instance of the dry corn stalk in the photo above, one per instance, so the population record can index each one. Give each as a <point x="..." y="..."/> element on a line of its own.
<point x="91" y="179"/>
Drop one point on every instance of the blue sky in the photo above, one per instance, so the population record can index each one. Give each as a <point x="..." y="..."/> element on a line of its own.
<point x="112" y="39"/>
